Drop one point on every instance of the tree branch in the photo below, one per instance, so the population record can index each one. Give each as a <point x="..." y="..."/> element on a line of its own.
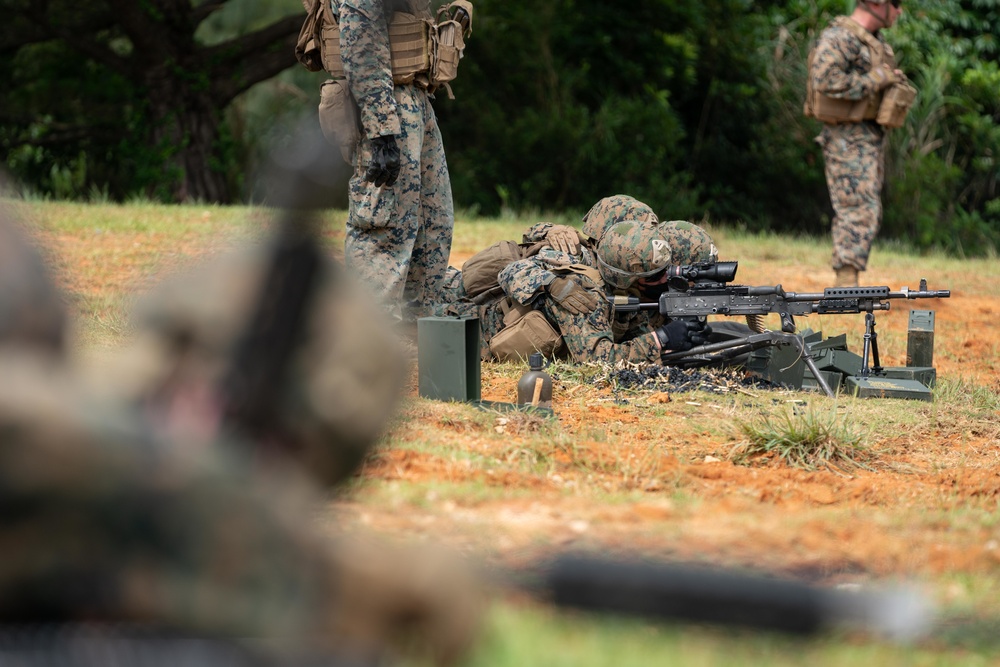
<point x="254" y="68"/>
<point x="76" y="38"/>
<point x="230" y="54"/>
<point x="206" y="9"/>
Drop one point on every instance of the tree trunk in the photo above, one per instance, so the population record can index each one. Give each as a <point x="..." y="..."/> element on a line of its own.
<point x="187" y="135"/>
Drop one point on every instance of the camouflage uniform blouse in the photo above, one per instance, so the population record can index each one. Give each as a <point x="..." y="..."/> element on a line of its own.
<point x="842" y="65"/>
<point x="599" y="336"/>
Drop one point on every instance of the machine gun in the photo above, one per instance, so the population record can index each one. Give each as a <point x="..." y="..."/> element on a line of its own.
<point x="702" y="289"/>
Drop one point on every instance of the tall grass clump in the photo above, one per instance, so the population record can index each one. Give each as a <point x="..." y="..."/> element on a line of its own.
<point x="804" y="439"/>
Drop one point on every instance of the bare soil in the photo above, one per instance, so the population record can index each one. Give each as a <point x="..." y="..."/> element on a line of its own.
<point x="663" y="493"/>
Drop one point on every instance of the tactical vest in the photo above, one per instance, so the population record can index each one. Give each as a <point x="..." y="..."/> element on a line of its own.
<point x="834" y="110"/>
<point x="422" y="51"/>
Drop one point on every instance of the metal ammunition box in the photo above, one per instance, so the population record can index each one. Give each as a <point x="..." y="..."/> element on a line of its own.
<point x="883" y="387"/>
<point x="924" y="375"/>
<point x="838" y="361"/>
<point x="781" y="364"/>
<point x="833" y="380"/>
<point x="831" y="343"/>
<point x="448" y="358"/>
<point x="920" y="339"/>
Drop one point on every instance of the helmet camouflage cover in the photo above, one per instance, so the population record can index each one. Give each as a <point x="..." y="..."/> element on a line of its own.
<point x="611" y="210"/>
<point x="631" y="250"/>
<point x="343" y="380"/>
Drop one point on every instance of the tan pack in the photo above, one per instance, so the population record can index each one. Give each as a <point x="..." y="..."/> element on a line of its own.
<point x="896" y="104"/>
<point x="307" y="46"/>
<point x="480" y="273"/>
<point x="834" y="110"/>
<point x="339" y="117"/>
<point x="525" y="332"/>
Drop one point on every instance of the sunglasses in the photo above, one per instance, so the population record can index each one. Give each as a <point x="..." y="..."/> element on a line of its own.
<point x="896" y="3"/>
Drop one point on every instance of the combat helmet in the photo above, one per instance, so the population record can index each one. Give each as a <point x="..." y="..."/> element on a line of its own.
<point x="632" y="250"/>
<point x="32" y="311"/>
<point x="341" y="384"/>
<point x="614" y="209"/>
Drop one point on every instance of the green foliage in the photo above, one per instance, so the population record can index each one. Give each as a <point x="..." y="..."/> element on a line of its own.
<point x="694" y="107"/>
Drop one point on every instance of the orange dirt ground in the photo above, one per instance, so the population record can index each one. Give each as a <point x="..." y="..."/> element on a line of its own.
<point x="826" y="525"/>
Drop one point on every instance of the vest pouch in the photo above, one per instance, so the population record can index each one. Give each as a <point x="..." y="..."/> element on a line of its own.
<point x="896" y="104"/>
<point x="832" y="110"/>
<point x="339" y="117"/>
<point x="330" y="48"/>
<point x="409" y="46"/>
<point x="449" y="46"/>
<point x="525" y="332"/>
<point x="307" y="48"/>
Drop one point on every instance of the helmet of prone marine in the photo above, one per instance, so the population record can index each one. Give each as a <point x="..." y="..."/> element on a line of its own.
<point x="340" y="386"/>
<point x="633" y="250"/>
<point x="612" y="210"/>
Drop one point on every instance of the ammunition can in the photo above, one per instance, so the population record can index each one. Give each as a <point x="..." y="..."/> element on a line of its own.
<point x="920" y="339"/>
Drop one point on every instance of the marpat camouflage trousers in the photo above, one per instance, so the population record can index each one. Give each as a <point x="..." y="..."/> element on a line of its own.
<point x="855" y="169"/>
<point x="399" y="238"/>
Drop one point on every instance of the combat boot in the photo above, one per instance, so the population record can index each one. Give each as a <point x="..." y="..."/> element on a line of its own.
<point x="847" y="276"/>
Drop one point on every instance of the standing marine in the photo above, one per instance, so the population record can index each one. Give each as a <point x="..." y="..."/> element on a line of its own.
<point x="855" y="88"/>
<point x="387" y="59"/>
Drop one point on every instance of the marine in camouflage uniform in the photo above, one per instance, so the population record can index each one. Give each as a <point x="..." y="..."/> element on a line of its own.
<point x="560" y="244"/>
<point x="398" y="233"/>
<point x="106" y="520"/>
<point x="853" y="152"/>
<point x="596" y="334"/>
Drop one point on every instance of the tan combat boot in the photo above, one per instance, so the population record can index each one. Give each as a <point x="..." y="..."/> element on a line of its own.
<point x="847" y="276"/>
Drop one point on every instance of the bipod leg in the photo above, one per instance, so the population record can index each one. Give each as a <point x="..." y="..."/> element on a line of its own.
<point x="811" y="365"/>
<point x="871" y="348"/>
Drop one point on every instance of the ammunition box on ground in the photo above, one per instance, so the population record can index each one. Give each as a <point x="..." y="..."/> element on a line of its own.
<point x="920" y="339"/>
<point x="883" y="387"/>
<point x="838" y="361"/>
<point x="831" y="343"/>
<point x="782" y="364"/>
<point x="924" y="375"/>
<point x="448" y="358"/>
<point x="833" y="380"/>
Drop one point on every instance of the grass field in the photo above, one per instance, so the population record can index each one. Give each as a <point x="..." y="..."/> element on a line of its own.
<point x="664" y="474"/>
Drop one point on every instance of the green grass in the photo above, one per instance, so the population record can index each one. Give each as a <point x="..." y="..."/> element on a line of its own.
<point x="823" y="430"/>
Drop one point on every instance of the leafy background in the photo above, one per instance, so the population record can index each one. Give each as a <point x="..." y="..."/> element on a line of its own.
<point x="692" y="106"/>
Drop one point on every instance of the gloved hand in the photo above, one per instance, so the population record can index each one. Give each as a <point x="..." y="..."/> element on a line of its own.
<point x="384" y="167"/>
<point x="571" y="295"/>
<point x="682" y="335"/>
<point x="564" y="239"/>
<point x="884" y="77"/>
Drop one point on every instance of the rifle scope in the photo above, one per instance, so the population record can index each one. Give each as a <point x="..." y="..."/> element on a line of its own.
<point x="716" y="272"/>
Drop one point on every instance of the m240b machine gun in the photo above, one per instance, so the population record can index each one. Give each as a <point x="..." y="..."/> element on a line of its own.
<point x="702" y="289"/>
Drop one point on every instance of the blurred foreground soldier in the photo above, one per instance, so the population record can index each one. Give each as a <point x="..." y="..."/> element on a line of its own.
<point x="390" y="59"/>
<point x="343" y="378"/>
<point x="855" y="88"/>
<point x="106" y="523"/>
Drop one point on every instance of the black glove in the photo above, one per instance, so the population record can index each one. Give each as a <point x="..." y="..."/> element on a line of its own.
<point x="384" y="167"/>
<point x="682" y="335"/>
